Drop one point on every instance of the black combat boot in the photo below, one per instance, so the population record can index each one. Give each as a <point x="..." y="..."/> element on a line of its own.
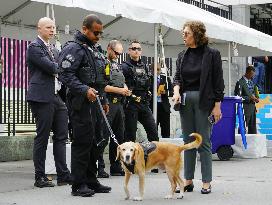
<point x="116" y="170"/>
<point x="102" y="174"/>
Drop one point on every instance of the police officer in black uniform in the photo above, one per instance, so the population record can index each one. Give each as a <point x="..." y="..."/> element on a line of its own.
<point x="137" y="108"/>
<point x="116" y="92"/>
<point x="83" y="73"/>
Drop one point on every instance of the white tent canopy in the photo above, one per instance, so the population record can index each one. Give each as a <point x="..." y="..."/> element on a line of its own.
<point x="173" y="14"/>
<point x="127" y="20"/>
<point x="101" y="6"/>
<point x="239" y="2"/>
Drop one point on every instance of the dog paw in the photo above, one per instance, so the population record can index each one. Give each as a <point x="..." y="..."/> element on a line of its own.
<point x="169" y="196"/>
<point x="127" y="198"/>
<point x="138" y="198"/>
<point x="180" y="196"/>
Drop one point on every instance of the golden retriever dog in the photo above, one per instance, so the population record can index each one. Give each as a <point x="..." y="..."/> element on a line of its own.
<point x="166" y="156"/>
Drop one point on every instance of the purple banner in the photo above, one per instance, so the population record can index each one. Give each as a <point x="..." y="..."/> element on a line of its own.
<point x="14" y="69"/>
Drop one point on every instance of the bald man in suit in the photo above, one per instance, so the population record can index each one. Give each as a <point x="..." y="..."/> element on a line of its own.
<point x="48" y="109"/>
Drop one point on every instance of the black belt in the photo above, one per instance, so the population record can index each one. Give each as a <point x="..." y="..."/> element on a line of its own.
<point x="116" y="99"/>
<point x="139" y="99"/>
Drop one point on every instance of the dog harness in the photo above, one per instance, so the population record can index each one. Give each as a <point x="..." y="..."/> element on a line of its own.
<point x="148" y="147"/>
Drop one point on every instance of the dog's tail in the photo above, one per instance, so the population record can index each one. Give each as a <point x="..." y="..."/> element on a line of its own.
<point x="194" y="144"/>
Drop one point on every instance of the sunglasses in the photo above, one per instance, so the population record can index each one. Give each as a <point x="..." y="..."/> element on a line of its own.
<point x="135" y="48"/>
<point x="115" y="52"/>
<point x="97" y="33"/>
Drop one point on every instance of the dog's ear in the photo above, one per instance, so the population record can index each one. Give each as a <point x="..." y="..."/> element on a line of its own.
<point x="118" y="153"/>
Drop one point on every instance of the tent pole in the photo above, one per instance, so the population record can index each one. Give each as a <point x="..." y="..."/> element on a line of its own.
<point x="155" y="72"/>
<point x="47" y="9"/>
<point x="112" y="22"/>
<point x="229" y="71"/>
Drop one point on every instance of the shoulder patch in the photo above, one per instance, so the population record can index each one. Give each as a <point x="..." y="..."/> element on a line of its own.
<point x="114" y="66"/>
<point x="70" y="58"/>
<point x="140" y="70"/>
<point x="65" y="64"/>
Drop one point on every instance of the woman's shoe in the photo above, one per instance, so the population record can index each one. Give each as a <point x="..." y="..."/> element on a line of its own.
<point x="188" y="188"/>
<point x="206" y="191"/>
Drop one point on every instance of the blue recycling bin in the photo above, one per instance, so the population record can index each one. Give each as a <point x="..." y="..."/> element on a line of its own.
<point x="223" y="132"/>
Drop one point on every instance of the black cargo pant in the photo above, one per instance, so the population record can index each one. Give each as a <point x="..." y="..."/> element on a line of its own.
<point x="84" y="151"/>
<point x="141" y="112"/>
<point x="116" y="118"/>
<point x="163" y="119"/>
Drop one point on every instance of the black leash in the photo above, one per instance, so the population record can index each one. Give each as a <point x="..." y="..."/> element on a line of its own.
<point x="112" y="135"/>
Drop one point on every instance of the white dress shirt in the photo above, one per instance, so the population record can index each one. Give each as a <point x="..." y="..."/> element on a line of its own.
<point x="57" y="83"/>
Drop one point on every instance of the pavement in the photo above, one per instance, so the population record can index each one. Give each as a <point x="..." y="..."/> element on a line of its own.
<point x="238" y="181"/>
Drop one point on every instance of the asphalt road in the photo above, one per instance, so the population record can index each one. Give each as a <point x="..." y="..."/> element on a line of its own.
<point x="238" y="181"/>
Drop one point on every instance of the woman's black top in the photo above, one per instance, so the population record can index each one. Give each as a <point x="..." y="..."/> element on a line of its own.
<point x="191" y="69"/>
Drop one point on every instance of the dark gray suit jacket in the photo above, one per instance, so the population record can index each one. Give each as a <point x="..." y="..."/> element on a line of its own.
<point x="242" y="90"/>
<point x="41" y="67"/>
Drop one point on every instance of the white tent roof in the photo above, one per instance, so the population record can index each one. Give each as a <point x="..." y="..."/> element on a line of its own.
<point x="137" y="21"/>
<point x="174" y="14"/>
<point x="101" y="6"/>
<point x="246" y="2"/>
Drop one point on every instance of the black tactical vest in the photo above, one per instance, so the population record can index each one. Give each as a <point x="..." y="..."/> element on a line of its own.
<point x="100" y="63"/>
<point x="141" y="78"/>
<point x="93" y="74"/>
<point x="117" y="79"/>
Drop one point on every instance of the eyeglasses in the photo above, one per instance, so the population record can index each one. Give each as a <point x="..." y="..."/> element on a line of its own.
<point x="136" y="48"/>
<point x="115" y="52"/>
<point x="186" y="34"/>
<point x="97" y="33"/>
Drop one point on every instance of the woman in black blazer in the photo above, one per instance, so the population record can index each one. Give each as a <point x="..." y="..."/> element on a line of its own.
<point x="199" y="87"/>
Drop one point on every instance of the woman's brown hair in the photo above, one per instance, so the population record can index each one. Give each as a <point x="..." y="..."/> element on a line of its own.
<point x="199" y="32"/>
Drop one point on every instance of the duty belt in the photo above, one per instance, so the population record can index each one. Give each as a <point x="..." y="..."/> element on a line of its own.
<point x="115" y="99"/>
<point x="137" y="99"/>
<point x="141" y="98"/>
